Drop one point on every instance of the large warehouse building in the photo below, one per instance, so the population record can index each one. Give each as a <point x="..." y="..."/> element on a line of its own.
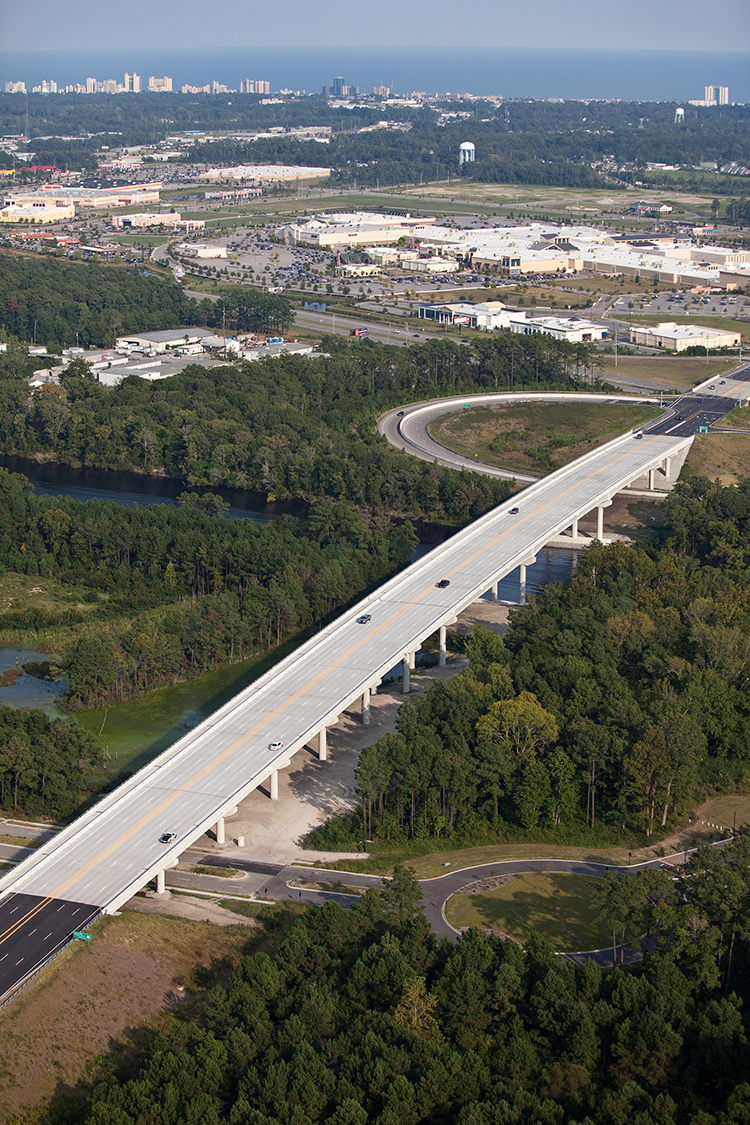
<point x="678" y="337"/>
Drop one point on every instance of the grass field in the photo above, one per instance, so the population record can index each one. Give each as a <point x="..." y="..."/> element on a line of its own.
<point x="665" y="371"/>
<point x="557" y="906"/>
<point x="533" y="437"/>
<point x="98" y="994"/>
<point x="722" y="457"/>
<point x="739" y="417"/>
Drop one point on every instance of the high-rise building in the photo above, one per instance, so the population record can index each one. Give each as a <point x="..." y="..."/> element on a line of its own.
<point x="340" y="89"/>
<point x="262" y="87"/>
<point x="90" y="85"/>
<point x="160" y="85"/>
<point x="132" y="83"/>
<point x="15" y="87"/>
<point x="716" y="95"/>
<point x="255" y="86"/>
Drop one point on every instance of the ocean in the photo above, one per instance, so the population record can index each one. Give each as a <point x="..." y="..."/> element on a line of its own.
<point x="631" y="75"/>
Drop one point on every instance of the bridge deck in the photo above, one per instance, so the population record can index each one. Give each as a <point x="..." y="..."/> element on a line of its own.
<point x="114" y="848"/>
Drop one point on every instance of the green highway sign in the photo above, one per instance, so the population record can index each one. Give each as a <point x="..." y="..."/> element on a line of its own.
<point x="81" y="937"/>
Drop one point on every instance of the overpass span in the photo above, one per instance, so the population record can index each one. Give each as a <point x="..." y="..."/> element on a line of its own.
<point x="114" y="848"/>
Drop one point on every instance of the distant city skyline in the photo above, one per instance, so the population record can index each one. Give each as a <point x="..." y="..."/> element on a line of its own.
<point x="657" y="24"/>
<point x="629" y="75"/>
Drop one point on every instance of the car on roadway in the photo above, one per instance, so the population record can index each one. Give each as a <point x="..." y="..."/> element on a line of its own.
<point x="274" y="746"/>
<point x="514" y="511"/>
<point x="443" y="583"/>
<point x="722" y="382"/>
<point x="638" y="437"/>
<point x="400" y="413"/>
<point x="167" y="837"/>
<point x="364" y="618"/>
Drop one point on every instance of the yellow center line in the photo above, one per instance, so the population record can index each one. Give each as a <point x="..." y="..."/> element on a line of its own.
<point x="302" y="690"/>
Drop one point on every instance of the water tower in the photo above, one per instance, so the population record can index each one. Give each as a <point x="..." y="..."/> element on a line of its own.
<point x="467" y="153"/>
<point x="679" y="116"/>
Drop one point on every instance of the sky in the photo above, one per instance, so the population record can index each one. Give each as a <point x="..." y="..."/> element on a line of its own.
<point x="655" y="24"/>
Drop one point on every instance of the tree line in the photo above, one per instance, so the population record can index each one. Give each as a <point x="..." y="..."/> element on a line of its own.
<point x="288" y="427"/>
<point x="609" y="709"/>
<point x="162" y="592"/>
<point x="59" y="302"/>
<point x="44" y="764"/>
<point x="360" y="1018"/>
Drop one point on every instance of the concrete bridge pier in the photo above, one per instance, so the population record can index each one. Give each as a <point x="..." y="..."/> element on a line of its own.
<point x="600" y="517"/>
<point x="667" y="466"/>
<point x="651" y="479"/>
<point x="161" y="883"/>
<point x="322" y="745"/>
<point x="274" y="785"/>
<point x="406" y="674"/>
<point x="574" y="530"/>
<point x="219" y="828"/>
<point x="522" y="579"/>
<point x="442" y="644"/>
<point x="366" y="707"/>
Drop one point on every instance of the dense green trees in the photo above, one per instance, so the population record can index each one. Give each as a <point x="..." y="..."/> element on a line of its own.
<point x="60" y="302"/>
<point x="289" y="427"/>
<point x="43" y="764"/>
<point x="179" y="590"/>
<point x="610" y="706"/>
<point x="523" y="142"/>
<point x="358" y="1018"/>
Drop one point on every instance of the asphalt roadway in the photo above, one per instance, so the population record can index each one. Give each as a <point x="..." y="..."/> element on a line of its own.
<point x="271" y="882"/>
<point x="35" y="929"/>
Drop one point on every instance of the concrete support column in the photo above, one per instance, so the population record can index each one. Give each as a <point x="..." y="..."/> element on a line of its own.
<point x="574" y="529"/>
<point x="600" y="522"/>
<point x="220" y="834"/>
<point x="651" y="479"/>
<point x="274" y="785"/>
<point x="442" y="656"/>
<point x="412" y="660"/>
<point x="493" y="592"/>
<point x="667" y="466"/>
<point x="322" y="745"/>
<point x="406" y="681"/>
<point x="161" y="884"/>
<point x="522" y="584"/>
<point x="366" y="707"/>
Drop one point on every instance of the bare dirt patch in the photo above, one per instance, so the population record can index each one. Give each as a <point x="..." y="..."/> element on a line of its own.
<point x="91" y="997"/>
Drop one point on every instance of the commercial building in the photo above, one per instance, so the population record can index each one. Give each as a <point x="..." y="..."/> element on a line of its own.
<point x="48" y="210"/>
<point x="265" y="173"/>
<point x="160" y="85"/>
<point x="254" y="86"/>
<point x="89" y="197"/>
<point x="678" y="337"/>
<point x="15" y="87"/>
<point x="354" y="228"/>
<point x="162" y="341"/>
<point x="573" y="329"/>
<point x="132" y="83"/>
<point x="488" y="316"/>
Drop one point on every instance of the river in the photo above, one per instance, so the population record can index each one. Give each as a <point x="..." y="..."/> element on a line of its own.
<point x="135" y="731"/>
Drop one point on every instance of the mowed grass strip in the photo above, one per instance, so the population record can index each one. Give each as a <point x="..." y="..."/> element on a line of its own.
<point x="536" y="437"/>
<point x="666" y="371"/>
<point x="557" y="906"/>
